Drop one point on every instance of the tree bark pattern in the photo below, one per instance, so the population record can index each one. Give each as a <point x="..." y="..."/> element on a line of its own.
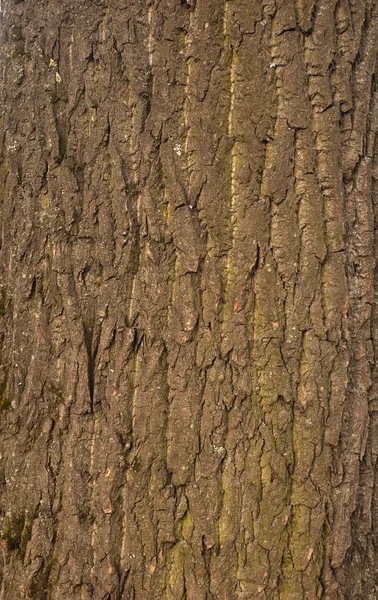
<point x="189" y="300"/>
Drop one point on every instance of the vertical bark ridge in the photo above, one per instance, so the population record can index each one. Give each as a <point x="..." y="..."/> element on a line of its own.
<point x="356" y="433"/>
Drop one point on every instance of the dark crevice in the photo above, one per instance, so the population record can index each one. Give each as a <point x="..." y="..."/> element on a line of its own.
<point x="92" y="353"/>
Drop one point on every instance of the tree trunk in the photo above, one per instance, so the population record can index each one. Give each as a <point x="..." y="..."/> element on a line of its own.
<point x="188" y="301"/>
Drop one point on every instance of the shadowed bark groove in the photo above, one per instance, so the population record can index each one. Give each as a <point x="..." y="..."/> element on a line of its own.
<point x="188" y="300"/>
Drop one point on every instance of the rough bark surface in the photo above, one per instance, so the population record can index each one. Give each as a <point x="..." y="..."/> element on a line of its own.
<point x="188" y="301"/>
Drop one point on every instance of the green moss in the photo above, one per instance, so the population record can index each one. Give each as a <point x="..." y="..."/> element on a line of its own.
<point x="45" y="284"/>
<point x="301" y="539"/>
<point x="53" y="580"/>
<point x="17" y="531"/>
<point x="5" y="167"/>
<point x="16" y="39"/>
<point x="12" y="530"/>
<point x="15" y="33"/>
<point x="4" y="400"/>
<point x="26" y="533"/>
<point x="17" y="51"/>
<point x="186" y="524"/>
<point x="176" y="573"/>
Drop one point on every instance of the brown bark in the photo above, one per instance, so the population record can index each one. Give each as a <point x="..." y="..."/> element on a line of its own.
<point x="188" y="300"/>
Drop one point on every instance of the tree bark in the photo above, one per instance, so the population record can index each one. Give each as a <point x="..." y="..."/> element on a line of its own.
<point x="188" y="300"/>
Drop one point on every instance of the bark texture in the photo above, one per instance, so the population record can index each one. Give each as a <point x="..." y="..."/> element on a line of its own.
<point x="188" y="301"/>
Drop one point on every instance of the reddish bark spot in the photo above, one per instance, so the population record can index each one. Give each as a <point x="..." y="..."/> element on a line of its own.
<point x="237" y="306"/>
